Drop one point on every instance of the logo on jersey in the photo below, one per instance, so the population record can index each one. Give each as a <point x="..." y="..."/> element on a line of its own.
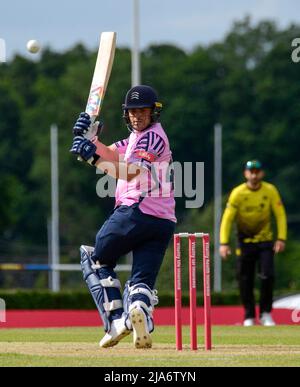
<point x="142" y="154"/>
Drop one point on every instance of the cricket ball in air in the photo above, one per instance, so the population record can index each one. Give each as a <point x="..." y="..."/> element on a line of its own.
<point x="33" y="46"/>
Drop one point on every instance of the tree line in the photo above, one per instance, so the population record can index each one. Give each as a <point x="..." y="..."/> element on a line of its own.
<point x="247" y="82"/>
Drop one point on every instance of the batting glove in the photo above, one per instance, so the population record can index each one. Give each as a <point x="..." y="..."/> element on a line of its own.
<point x="82" y="124"/>
<point x="85" y="149"/>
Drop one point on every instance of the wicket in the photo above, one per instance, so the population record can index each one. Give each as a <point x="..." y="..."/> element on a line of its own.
<point x="192" y="289"/>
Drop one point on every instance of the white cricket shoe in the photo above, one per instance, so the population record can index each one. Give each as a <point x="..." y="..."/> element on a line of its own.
<point x="141" y="335"/>
<point x="266" y="320"/>
<point x="118" y="331"/>
<point x="249" y="322"/>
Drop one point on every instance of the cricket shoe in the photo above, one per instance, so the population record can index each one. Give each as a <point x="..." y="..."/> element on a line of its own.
<point x="249" y="322"/>
<point x="266" y="320"/>
<point x="141" y="335"/>
<point x="117" y="332"/>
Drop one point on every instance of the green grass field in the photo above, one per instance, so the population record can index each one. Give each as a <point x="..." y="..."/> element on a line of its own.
<point x="232" y="346"/>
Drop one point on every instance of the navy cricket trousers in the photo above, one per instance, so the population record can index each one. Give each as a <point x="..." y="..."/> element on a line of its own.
<point x="128" y="229"/>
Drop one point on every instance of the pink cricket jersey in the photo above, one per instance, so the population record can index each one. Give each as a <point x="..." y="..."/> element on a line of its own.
<point x="154" y="189"/>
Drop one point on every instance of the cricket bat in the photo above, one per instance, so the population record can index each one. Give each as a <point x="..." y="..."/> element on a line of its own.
<point x="100" y="80"/>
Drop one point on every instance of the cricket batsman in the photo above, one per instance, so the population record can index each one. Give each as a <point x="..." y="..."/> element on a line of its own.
<point x="251" y="205"/>
<point x="142" y="222"/>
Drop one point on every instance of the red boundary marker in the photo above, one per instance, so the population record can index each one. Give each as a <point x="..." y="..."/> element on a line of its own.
<point x="220" y="315"/>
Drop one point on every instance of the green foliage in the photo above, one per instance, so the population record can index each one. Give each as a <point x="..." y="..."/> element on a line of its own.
<point x="247" y="82"/>
<point x="79" y="299"/>
<point x="47" y="300"/>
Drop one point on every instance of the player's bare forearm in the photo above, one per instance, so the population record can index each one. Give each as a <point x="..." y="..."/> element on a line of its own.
<point x="120" y="169"/>
<point x="107" y="153"/>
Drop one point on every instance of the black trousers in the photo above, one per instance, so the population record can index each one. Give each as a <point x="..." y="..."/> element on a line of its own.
<point x="253" y="255"/>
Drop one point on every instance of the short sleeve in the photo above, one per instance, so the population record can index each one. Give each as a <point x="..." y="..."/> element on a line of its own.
<point x="121" y="145"/>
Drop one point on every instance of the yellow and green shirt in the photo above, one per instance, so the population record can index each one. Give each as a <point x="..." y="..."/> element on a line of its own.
<point x="252" y="211"/>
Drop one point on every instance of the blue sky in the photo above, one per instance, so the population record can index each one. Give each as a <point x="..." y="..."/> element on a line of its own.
<point x="62" y="23"/>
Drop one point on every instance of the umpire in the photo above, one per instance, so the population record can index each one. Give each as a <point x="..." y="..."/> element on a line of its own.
<point x="251" y="205"/>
